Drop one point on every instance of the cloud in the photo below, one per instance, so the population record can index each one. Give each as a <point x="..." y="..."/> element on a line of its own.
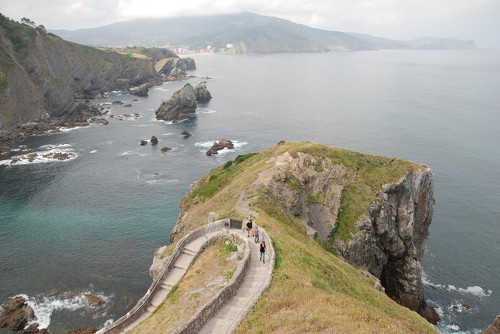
<point x="401" y="19"/>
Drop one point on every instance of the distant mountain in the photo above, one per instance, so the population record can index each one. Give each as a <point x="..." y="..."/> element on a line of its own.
<point x="242" y="33"/>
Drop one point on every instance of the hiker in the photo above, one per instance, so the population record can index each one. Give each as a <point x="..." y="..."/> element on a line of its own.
<point x="263" y="252"/>
<point x="256" y="234"/>
<point x="249" y="227"/>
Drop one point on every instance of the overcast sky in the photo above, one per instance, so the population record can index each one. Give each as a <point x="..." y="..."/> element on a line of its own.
<point x="478" y="20"/>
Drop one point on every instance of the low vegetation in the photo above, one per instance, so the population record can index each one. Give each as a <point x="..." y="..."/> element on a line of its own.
<point x="312" y="290"/>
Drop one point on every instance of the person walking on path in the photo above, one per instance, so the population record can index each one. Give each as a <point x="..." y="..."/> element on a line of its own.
<point x="249" y="227"/>
<point x="263" y="252"/>
<point x="256" y="234"/>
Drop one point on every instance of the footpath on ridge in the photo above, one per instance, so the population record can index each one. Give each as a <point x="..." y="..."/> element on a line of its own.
<point x="230" y="306"/>
<point x="257" y="280"/>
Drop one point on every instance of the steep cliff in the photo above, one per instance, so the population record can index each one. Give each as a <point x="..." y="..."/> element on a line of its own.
<point x="372" y="212"/>
<point x="41" y="74"/>
<point x="378" y="226"/>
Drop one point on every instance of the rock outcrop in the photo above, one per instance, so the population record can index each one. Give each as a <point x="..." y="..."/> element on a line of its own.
<point x="179" y="106"/>
<point x="142" y="90"/>
<point x="494" y="328"/>
<point x="82" y="115"/>
<point x="41" y="74"/>
<point x="16" y="314"/>
<point x="220" y="145"/>
<point x="174" y="68"/>
<point x="202" y="93"/>
<point x="388" y="239"/>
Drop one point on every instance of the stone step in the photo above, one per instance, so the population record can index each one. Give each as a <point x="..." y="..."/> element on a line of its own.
<point x="188" y="251"/>
<point x="214" y="326"/>
<point x="151" y="308"/>
<point x="166" y="286"/>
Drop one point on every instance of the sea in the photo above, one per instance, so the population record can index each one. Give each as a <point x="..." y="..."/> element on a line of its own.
<point x="91" y="224"/>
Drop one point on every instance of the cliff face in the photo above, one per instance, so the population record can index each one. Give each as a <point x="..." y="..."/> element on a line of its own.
<point x="42" y="74"/>
<point x="390" y="239"/>
<point x="371" y="211"/>
<point x="387" y="239"/>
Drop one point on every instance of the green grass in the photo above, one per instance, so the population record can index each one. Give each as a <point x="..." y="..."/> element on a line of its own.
<point x="312" y="290"/>
<point x="367" y="173"/>
<point x="230" y="273"/>
<point x="19" y="34"/>
<point x="222" y="176"/>
<point x="312" y="199"/>
<point x="174" y="294"/>
<point x="229" y="247"/>
<point x="293" y="183"/>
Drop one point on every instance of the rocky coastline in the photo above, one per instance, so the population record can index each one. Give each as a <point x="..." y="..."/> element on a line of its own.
<point x="83" y="115"/>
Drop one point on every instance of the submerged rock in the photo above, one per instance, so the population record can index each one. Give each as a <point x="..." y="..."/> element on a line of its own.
<point x="165" y="149"/>
<point x="94" y="301"/>
<point x="83" y="331"/>
<point x="186" y="134"/>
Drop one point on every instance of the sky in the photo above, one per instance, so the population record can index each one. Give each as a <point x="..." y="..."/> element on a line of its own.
<point x="477" y="20"/>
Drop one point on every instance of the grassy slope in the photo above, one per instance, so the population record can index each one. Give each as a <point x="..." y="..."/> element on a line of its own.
<point x="312" y="290"/>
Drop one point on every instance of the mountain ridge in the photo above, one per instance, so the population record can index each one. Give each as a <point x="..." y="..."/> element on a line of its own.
<point x="246" y="32"/>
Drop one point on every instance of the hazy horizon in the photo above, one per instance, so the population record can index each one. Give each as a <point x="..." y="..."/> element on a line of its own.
<point x="393" y="19"/>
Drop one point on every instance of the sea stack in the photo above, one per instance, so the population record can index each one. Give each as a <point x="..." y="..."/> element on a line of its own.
<point x="179" y="106"/>
<point x="202" y="93"/>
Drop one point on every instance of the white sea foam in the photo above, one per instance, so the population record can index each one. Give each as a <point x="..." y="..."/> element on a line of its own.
<point x="208" y="144"/>
<point x="44" y="306"/>
<point x="51" y="147"/>
<point x="93" y="151"/>
<point x="161" y="181"/>
<point x="205" y="111"/>
<point x="50" y="155"/>
<point x="473" y="290"/>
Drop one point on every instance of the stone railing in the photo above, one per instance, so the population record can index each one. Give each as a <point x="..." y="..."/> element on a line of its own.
<point x="140" y="308"/>
<point x="213" y="305"/>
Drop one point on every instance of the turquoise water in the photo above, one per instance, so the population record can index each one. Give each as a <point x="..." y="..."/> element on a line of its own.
<point x="91" y="224"/>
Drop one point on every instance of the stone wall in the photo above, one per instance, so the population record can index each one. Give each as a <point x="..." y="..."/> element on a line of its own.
<point x="145" y="301"/>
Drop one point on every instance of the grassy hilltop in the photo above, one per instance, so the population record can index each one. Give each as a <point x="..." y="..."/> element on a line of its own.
<point x="312" y="291"/>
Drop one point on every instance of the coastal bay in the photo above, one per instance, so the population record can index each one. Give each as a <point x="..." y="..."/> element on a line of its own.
<point x="94" y="221"/>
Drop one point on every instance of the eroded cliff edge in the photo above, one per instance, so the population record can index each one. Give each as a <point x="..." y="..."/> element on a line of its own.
<point x="42" y="75"/>
<point x="374" y="212"/>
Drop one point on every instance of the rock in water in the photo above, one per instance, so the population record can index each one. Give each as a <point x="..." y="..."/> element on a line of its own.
<point x="94" y="301"/>
<point x="493" y="329"/>
<point x="154" y="140"/>
<point x="179" y="106"/>
<point x="165" y="149"/>
<point x="143" y="142"/>
<point x="186" y="134"/>
<point x="16" y="314"/>
<point x="202" y="93"/>
<point x="217" y="146"/>
<point x="83" y="331"/>
<point x="142" y="90"/>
